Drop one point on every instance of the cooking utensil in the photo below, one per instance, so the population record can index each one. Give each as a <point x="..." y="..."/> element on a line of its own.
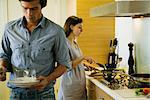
<point x="94" y="66"/>
<point x="144" y="79"/>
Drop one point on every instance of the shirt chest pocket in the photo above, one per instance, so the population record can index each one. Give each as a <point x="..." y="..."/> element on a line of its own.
<point x="18" y="52"/>
<point x="41" y="54"/>
<point x="17" y="47"/>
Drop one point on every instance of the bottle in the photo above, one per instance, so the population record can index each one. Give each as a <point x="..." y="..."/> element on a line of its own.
<point x="130" y="60"/>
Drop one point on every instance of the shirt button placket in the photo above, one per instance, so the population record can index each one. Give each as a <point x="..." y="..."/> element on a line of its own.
<point x="29" y="55"/>
<point x="29" y="50"/>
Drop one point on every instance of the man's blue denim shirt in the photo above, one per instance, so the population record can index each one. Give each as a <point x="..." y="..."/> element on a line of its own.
<point x="38" y="50"/>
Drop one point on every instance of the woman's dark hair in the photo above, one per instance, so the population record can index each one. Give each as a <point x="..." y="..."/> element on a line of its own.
<point x="72" y="20"/>
<point x="42" y="2"/>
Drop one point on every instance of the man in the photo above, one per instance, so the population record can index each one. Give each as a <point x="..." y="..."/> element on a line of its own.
<point x="34" y="42"/>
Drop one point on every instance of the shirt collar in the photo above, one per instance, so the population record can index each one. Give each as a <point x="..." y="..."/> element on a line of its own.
<point x="22" y="22"/>
<point x="41" y="23"/>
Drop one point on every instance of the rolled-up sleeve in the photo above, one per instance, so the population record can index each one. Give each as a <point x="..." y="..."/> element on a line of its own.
<point x="5" y="51"/>
<point x="61" y="50"/>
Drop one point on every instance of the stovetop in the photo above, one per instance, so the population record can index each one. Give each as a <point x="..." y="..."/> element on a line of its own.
<point x="117" y="79"/>
<point x="121" y="81"/>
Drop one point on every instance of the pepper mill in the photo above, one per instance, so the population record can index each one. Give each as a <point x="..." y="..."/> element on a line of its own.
<point x="130" y="60"/>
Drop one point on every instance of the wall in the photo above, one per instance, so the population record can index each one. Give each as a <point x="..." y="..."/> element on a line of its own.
<point x="71" y="7"/>
<point x="141" y="36"/>
<point x="97" y="32"/>
<point x="4" y="91"/>
<point x="55" y="10"/>
<point x="3" y="15"/>
<point x="135" y="30"/>
<point x="124" y="34"/>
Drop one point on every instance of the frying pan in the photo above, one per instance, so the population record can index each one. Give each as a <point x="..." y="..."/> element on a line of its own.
<point x="141" y="77"/>
<point x="144" y="79"/>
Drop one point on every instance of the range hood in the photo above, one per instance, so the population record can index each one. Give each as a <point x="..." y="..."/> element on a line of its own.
<point x="122" y="9"/>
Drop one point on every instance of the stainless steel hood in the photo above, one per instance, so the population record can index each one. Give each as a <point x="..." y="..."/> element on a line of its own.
<point x="122" y="9"/>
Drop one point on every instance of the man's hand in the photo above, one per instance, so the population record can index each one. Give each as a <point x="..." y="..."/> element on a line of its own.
<point x="42" y="84"/>
<point x="2" y="74"/>
<point x="45" y="81"/>
<point x="3" y="64"/>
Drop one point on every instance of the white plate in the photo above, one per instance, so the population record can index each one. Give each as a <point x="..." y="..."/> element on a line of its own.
<point x="24" y="82"/>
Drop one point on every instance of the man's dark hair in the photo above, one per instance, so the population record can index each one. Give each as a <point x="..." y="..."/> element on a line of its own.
<point x="42" y="2"/>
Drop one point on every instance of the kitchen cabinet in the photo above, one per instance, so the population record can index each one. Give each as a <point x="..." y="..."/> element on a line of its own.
<point x="95" y="93"/>
<point x="4" y="91"/>
<point x="101" y="95"/>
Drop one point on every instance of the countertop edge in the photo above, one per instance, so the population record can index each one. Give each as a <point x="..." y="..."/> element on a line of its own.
<point x="111" y="92"/>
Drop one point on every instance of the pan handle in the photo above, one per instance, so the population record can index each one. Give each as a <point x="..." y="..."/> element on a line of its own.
<point x="100" y="65"/>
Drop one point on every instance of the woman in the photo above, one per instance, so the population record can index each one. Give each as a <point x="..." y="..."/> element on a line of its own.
<point x="72" y="85"/>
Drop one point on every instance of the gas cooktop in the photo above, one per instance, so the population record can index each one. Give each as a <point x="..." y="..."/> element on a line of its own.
<point x="120" y="80"/>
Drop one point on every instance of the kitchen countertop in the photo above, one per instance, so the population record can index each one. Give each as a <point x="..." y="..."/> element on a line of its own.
<point x="122" y="94"/>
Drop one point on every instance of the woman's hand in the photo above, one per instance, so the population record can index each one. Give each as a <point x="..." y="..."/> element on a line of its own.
<point x="42" y="84"/>
<point x="89" y="59"/>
